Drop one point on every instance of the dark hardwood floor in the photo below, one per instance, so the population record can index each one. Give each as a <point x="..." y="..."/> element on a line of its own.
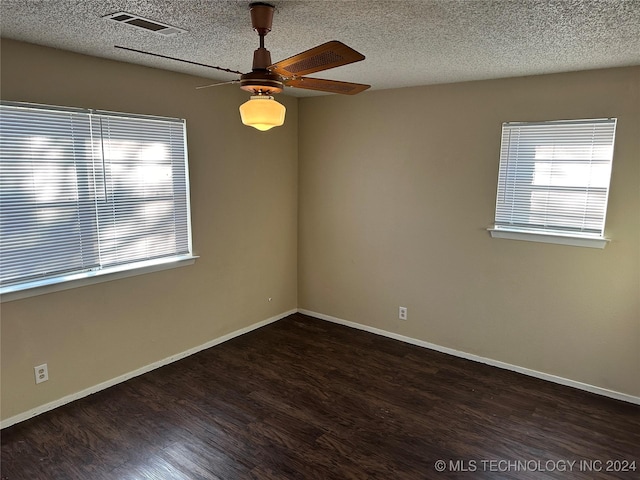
<point x="307" y="399"/>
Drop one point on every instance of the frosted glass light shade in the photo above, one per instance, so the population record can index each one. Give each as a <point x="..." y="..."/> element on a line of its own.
<point x="262" y="112"/>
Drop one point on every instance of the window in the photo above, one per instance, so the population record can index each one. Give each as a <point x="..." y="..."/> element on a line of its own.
<point x="86" y="193"/>
<point x="553" y="181"/>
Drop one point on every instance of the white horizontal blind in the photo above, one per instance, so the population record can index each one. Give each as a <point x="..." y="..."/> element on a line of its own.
<point x="554" y="177"/>
<point x="141" y="190"/>
<point x="81" y="191"/>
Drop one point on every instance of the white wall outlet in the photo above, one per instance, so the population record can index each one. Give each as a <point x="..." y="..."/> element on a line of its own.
<point x="42" y="373"/>
<point x="402" y="313"/>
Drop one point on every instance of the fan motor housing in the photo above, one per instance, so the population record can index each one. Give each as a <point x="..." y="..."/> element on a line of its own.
<point x="262" y="81"/>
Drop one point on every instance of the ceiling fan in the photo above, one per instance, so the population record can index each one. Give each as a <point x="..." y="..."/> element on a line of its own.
<point x="266" y="78"/>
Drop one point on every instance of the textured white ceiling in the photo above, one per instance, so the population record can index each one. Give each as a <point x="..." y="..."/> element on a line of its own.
<point x="406" y="42"/>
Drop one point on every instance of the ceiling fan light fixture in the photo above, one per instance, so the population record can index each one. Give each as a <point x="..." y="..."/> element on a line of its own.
<point x="262" y="112"/>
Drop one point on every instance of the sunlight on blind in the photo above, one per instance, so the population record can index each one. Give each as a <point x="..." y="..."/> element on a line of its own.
<point x="554" y="176"/>
<point x="84" y="190"/>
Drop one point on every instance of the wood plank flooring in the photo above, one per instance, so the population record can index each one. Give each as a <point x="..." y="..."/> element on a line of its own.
<point x="307" y="399"/>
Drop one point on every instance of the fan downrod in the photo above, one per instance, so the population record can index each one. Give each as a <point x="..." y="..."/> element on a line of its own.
<point x="260" y="80"/>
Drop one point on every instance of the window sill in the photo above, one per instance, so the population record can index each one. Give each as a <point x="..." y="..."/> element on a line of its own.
<point x="75" y="280"/>
<point x="558" y="239"/>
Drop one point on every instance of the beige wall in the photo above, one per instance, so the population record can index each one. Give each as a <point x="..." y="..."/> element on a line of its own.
<point x="397" y="188"/>
<point x="392" y="209"/>
<point x="243" y="199"/>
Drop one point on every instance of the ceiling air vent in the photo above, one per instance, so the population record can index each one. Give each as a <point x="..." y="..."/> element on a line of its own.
<point x="144" y="23"/>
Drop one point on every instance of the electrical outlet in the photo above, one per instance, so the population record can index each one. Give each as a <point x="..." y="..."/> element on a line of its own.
<point x="402" y="313"/>
<point x="42" y="373"/>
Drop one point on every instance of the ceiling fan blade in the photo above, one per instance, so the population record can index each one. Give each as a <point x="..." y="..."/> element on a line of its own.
<point x="217" y="84"/>
<point x="178" y="59"/>
<point x="323" y="57"/>
<point x="331" y="86"/>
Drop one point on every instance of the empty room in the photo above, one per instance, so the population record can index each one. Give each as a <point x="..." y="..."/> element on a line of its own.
<point x="323" y="239"/>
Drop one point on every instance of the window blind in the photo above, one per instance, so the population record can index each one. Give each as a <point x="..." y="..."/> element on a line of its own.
<point x="554" y="177"/>
<point x="84" y="190"/>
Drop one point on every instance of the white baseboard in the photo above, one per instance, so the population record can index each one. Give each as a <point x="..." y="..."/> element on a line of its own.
<point x="147" y="368"/>
<point x="476" y="358"/>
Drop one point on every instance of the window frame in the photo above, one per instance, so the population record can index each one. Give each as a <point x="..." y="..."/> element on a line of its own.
<point x="564" y="234"/>
<point x="130" y="267"/>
